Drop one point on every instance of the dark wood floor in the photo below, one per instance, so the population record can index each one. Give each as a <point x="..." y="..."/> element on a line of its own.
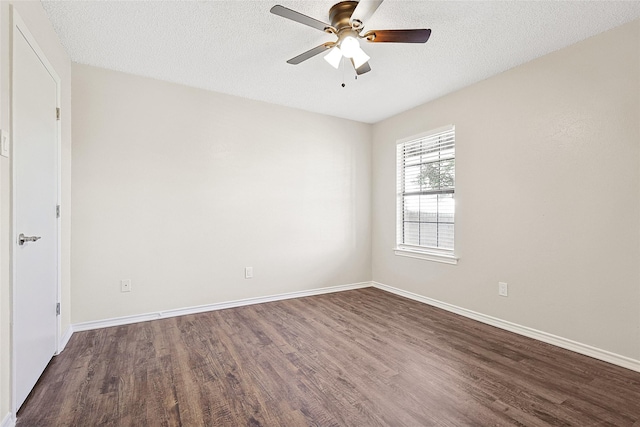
<point x="357" y="358"/>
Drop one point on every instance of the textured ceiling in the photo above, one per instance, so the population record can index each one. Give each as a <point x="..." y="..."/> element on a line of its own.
<point x="239" y="48"/>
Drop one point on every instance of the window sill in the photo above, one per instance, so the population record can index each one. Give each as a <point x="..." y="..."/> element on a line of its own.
<point x="426" y="255"/>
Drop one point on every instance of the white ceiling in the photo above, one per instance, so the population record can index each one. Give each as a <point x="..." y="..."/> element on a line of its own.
<point x="238" y="47"/>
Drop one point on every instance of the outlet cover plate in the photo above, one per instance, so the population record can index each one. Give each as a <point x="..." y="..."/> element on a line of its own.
<point x="503" y="289"/>
<point x="4" y="143"/>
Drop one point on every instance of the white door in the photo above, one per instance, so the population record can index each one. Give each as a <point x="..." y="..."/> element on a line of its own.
<point x="35" y="147"/>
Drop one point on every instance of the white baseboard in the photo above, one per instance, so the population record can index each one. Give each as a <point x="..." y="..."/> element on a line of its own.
<point x="587" y="350"/>
<point x="596" y="353"/>
<point x="8" y="420"/>
<point x="125" y="320"/>
<point x="65" y="339"/>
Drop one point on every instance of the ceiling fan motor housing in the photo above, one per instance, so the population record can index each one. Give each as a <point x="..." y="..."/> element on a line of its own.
<point x="340" y="14"/>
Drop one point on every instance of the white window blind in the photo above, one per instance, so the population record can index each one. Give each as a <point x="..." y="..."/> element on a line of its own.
<point x="426" y="187"/>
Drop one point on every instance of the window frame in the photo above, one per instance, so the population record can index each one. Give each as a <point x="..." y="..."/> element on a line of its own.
<point x="428" y="253"/>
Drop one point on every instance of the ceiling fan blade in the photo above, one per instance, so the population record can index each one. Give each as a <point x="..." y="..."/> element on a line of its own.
<point x="364" y="68"/>
<point x="364" y="10"/>
<point x="398" y="36"/>
<point x="298" y="17"/>
<point x="310" y="53"/>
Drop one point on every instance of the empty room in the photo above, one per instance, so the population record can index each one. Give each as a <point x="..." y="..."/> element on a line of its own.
<point x="319" y="213"/>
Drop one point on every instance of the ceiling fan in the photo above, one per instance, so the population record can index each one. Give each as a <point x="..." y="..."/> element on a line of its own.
<point x="347" y="23"/>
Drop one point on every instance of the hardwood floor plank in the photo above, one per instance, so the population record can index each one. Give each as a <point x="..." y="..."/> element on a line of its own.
<point x="355" y="358"/>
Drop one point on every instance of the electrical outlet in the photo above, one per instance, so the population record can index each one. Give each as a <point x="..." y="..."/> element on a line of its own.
<point x="125" y="285"/>
<point x="248" y="272"/>
<point x="503" y="289"/>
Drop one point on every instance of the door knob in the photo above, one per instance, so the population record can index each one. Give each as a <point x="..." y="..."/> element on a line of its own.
<point x="22" y="239"/>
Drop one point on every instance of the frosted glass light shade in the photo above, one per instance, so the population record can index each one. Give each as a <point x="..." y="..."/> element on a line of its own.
<point x="333" y="57"/>
<point x="360" y="58"/>
<point x="349" y="46"/>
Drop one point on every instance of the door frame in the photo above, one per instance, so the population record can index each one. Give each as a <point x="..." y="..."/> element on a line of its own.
<point x="19" y="27"/>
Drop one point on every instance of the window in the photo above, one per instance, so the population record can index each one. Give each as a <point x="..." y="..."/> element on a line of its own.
<point x="426" y="188"/>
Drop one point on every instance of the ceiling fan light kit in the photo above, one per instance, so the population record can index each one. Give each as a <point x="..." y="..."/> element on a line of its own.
<point x="350" y="49"/>
<point x="347" y="22"/>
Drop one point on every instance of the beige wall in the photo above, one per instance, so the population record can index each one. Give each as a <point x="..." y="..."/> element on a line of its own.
<point x="547" y="195"/>
<point x="178" y="189"/>
<point x="36" y="20"/>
